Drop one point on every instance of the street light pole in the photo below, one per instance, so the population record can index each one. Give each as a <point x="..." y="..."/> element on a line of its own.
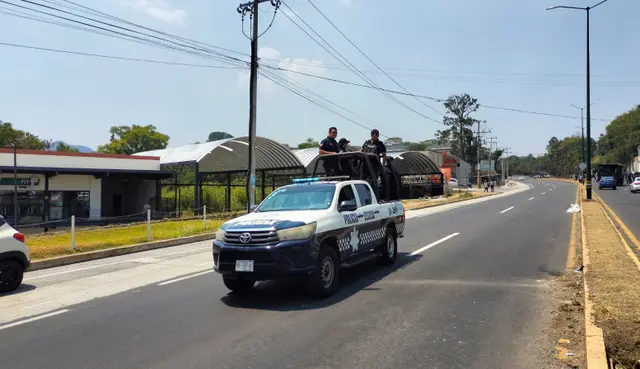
<point x="15" y="184"/>
<point x="588" y="10"/>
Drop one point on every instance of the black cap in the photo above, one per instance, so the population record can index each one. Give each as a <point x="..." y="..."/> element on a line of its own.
<point x="343" y="141"/>
<point x="375" y="131"/>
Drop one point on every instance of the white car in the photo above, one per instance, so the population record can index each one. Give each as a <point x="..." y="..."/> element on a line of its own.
<point x="521" y="178"/>
<point x="635" y="185"/>
<point x="453" y="182"/>
<point x="14" y="257"/>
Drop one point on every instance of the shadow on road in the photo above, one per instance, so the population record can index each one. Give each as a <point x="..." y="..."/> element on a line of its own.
<point x="23" y="288"/>
<point x="290" y="295"/>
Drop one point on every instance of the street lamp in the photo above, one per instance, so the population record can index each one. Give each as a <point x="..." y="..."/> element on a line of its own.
<point x="588" y="10"/>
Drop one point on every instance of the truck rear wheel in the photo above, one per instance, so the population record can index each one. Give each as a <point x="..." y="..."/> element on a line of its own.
<point x="324" y="280"/>
<point x="389" y="250"/>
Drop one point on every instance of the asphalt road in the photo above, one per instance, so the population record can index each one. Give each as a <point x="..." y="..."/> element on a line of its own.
<point x="625" y="204"/>
<point x="475" y="300"/>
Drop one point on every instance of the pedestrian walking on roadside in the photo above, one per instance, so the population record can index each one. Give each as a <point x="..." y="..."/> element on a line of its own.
<point x="486" y="186"/>
<point x="493" y="185"/>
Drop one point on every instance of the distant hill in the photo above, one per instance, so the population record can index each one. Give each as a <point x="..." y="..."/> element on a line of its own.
<point x="79" y="147"/>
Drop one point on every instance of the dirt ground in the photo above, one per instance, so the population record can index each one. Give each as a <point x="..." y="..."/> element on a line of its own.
<point x="614" y="283"/>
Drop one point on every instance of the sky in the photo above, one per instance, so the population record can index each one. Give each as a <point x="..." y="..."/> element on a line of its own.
<point x="505" y="53"/>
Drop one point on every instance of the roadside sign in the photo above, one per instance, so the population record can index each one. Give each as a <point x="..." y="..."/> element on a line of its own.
<point x="582" y="166"/>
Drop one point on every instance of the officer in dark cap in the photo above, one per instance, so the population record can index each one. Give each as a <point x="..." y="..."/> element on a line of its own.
<point x="343" y="144"/>
<point x="375" y="146"/>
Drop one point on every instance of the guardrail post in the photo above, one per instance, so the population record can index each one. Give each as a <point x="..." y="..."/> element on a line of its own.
<point x="73" y="232"/>
<point x="204" y="216"/>
<point x="148" y="224"/>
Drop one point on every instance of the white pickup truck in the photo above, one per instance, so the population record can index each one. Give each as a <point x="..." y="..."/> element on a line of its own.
<point x="309" y="228"/>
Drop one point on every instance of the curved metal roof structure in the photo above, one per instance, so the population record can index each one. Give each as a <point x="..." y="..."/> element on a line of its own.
<point x="413" y="162"/>
<point x="229" y="155"/>
<point x="308" y="156"/>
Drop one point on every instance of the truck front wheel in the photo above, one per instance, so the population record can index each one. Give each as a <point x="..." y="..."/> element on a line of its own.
<point x="323" y="281"/>
<point x="238" y="284"/>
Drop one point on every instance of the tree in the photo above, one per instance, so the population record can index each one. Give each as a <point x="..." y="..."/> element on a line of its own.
<point x="393" y="141"/>
<point x="130" y="140"/>
<point x="309" y="143"/>
<point x="23" y="140"/>
<point x="61" y="146"/>
<point x="460" y="123"/>
<point x="620" y="143"/>
<point x="218" y="135"/>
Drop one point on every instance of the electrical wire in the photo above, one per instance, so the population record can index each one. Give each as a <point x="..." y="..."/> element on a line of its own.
<point x="199" y="49"/>
<point x="299" y="86"/>
<point x="368" y="58"/>
<point x="70" y="52"/>
<point x="346" y="61"/>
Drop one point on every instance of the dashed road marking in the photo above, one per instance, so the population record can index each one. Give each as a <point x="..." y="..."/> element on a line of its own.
<point x="507" y="209"/>
<point x="532" y="198"/>
<point x="183" y="278"/>
<point x="35" y="318"/>
<point x="418" y="251"/>
<point x="543" y="193"/>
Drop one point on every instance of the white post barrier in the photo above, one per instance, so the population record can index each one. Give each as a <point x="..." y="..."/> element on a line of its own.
<point x="73" y="232"/>
<point x="204" y="216"/>
<point x="148" y="224"/>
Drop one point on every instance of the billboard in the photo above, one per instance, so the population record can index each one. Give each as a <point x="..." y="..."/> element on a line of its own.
<point x="486" y="165"/>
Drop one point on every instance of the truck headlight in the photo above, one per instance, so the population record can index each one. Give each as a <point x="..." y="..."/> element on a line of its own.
<point x="297" y="233"/>
<point x="219" y="234"/>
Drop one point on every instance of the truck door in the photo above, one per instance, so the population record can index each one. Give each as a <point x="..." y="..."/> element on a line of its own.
<point x="371" y="219"/>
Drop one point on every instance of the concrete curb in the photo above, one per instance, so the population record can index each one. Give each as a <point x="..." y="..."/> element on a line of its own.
<point x="594" y="337"/>
<point x="123" y="250"/>
<point x="611" y="214"/>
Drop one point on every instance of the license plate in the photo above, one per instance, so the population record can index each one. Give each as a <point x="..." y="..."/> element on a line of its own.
<point x="244" y="265"/>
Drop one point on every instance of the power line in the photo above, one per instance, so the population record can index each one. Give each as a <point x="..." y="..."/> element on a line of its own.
<point x="368" y="58"/>
<point x="119" y="57"/>
<point x="351" y="67"/>
<point x="180" y="48"/>
<point x="70" y="52"/>
<point x="125" y="29"/>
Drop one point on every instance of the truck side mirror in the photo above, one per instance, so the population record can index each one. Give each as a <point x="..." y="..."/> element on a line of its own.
<point x="349" y="205"/>
<point x="252" y="208"/>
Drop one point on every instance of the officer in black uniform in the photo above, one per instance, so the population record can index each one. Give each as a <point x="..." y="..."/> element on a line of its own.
<point x="330" y="146"/>
<point x="343" y="144"/>
<point x="375" y="146"/>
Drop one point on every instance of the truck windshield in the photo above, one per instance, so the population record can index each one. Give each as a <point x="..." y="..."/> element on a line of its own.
<point x="299" y="197"/>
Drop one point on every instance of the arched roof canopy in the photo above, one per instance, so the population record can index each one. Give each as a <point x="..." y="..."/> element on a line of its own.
<point x="308" y="156"/>
<point x="229" y="155"/>
<point x="413" y="163"/>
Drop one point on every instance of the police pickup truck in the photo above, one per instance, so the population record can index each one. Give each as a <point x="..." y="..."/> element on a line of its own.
<point x="310" y="229"/>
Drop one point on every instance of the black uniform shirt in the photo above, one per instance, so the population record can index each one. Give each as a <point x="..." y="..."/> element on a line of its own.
<point x="376" y="147"/>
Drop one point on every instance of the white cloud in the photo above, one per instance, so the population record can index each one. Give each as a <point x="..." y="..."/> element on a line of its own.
<point x="272" y="57"/>
<point x="161" y="9"/>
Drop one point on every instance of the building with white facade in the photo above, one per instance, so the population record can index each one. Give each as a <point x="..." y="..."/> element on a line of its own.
<point x="56" y="185"/>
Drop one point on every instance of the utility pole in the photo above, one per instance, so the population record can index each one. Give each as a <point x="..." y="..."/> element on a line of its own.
<point x="478" y="147"/>
<point x="508" y="154"/>
<point x="251" y="7"/>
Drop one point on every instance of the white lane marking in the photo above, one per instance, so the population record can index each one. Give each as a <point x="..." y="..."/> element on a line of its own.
<point x="183" y="278"/>
<point x="434" y="244"/>
<point x="551" y="189"/>
<point x="532" y="198"/>
<point x="507" y="209"/>
<point x="139" y="260"/>
<point x="20" y="322"/>
<point x="543" y="193"/>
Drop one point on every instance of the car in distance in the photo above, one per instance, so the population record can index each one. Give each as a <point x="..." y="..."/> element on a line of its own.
<point x="14" y="257"/>
<point x="607" y="182"/>
<point x="635" y="185"/>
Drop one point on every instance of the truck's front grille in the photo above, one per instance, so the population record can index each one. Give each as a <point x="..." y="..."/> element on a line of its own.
<point x="257" y="238"/>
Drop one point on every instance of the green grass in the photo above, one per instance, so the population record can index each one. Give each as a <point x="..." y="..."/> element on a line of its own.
<point x="45" y="246"/>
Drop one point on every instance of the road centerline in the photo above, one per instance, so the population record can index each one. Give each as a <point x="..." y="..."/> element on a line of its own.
<point x="532" y="198"/>
<point x="422" y="249"/>
<point x="507" y="209"/>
